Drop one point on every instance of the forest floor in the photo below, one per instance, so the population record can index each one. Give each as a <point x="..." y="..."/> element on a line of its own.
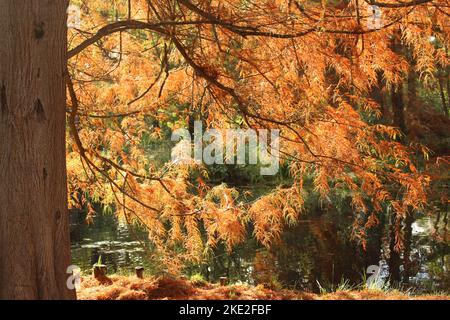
<point x="118" y="287"/>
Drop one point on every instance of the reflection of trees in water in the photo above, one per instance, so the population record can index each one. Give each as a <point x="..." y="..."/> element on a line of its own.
<point x="109" y="238"/>
<point x="431" y="255"/>
<point x="317" y="250"/>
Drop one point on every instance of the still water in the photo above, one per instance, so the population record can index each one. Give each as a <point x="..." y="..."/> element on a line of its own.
<point x="109" y="240"/>
<point x="315" y="255"/>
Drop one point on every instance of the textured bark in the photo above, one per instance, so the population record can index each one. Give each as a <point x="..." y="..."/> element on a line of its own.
<point x="34" y="233"/>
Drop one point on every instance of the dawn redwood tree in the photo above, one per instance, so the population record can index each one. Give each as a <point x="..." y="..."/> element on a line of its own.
<point x="263" y="65"/>
<point x="307" y="68"/>
<point x="34" y="235"/>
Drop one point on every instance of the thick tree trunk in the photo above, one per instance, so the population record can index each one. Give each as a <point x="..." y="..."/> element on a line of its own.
<point x="34" y="234"/>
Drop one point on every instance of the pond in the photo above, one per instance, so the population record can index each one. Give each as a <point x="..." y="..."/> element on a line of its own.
<point x="108" y="240"/>
<point x="315" y="255"/>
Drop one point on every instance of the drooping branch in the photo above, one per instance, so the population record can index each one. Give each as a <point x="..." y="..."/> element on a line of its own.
<point x="400" y="4"/>
<point x="209" y="19"/>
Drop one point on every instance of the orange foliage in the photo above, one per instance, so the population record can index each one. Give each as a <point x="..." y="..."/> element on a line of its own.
<point x="304" y="67"/>
<point x="128" y="288"/>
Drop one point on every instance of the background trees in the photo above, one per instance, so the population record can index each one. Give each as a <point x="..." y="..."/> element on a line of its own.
<point x="138" y="69"/>
<point x="312" y="69"/>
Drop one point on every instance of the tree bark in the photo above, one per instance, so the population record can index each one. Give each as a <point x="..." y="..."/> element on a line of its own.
<point x="398" y="108"/>
<point x="441" y="79"/>
<point x="398" y="103"/>
<point x="412" y="90"/>
<point x="394" y="256"/>
<point x="409" y="220"/>
<point x="34" y="231"/>
<point x="377" y="93"/>
<point x="447" y="75"/>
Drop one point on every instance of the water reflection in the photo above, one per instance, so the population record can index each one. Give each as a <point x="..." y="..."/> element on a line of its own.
<point x="316" y="253"/>
<point x="109" y="239"/>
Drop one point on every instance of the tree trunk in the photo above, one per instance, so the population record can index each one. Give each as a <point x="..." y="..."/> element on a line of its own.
<point x="394" y="256"/>
<point x="447" y="75"/>
<point x="398" y="108"/>
<point x="377" y="93"/>
<point x="448" y="90"/>
<point x="442" y="92"/>
<point x="34" y="231"/>
<point x="398" y="103"/>
<point x="412" y="90"/>
<point x="375" y="243"/>
<point x="409" y="220"/>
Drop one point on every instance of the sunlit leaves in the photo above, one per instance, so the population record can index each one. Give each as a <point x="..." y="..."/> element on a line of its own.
<point x="306" y="70"/>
